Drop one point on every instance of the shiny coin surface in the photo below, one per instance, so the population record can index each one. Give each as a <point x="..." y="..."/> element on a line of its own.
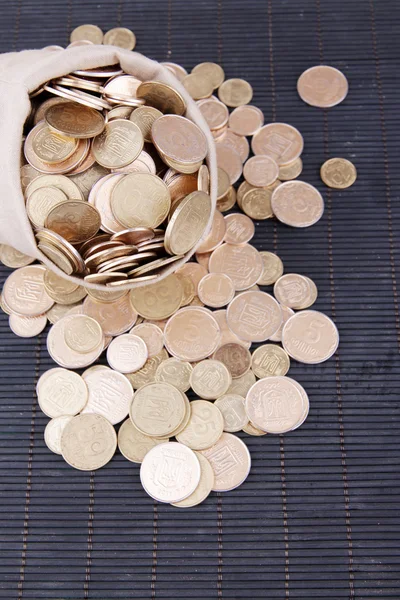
<point x="210" y="71"/>
<point x="48" y="146"/>
<point x="269" y="360"/>
<point x="158" y="409"/>
<point x="63" y="354"/>
<point x="53" y="432"/>
<point x="239" y="229"/>
<point x="176" y="372"/>
<point x="188" y="223"/>
<point x="121" y="37"/>
<point x="40" y="203"/>
<point x="261" y="171"/>
<point x="110" y="394"/>
<point x="322" y="86"/>
<point x="127" y="353"/>
<point x="205" y="426"/>
<point x="74" y="120"/>
<point x="241" y="263"/>
<point x="227" y="336"/>
<point x="216" y="290"/>
<point x="61" y="392"/>
<point x="338" y="173"/>
<point x="238" y="143"/>
<point x="310" y="337"/>
<point x="158" y="300"/>
<point x="27" y="326"/>
<point x="254" y="316"/>
<point x="162" y="96"/>
<point x="246" y="120"/>
<point x="179" y="139"/>
<point x="91" y="33"/>
<point x="195" y="271"/>
<point x="293" y="290"/>
<point x="272" y="268"/>
<point x="230" y="461"/>
<point x="83" y="334"/>
<point x="114" y="317"/>
<point x="88" y="442"/>
<point x="203" y="489"/>
<point x="297" y="203"/>
<point x="210" y="379"/>
<point x="280" y="141"/>
<point x="233" y="411"/>
<point x="170" y="472"/>
<point x="144" y="117"/>
<point x="75" y="220"/>
<point x="215" y="236"/>
<point x="256" y="203"/>
<point x="235" y="92"/>
<point x="192" y="334"/>
<point x="24" y="291"/>
<point x="13" y="258"/>
<point x="152" y="336"/>
<point x="119" y="144"/>
<point x="133" y="444"/>
<point x="198" y="87"/>
<point x="215" y="113"/>
<point x="291" y="171"/>
<point x="235" y="357"/>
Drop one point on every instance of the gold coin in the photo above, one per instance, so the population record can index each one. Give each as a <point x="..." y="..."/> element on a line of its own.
<point x="229" y="474"/>
<point x="13" y="258"/>
<point x="58" y="311"/>
<point x="92" y="33"/>
<point x="215" y="113"/>
<point x="140" y="200"/>
<point x="157" y="409"/>
<point x="123" y="87"/>
<point x="272" y="268"/>
<point x="148" y="372"/>
<point x="235" y="92"/>
<point x="57" y="257"/>
<point x="188" y="289"/>
<point x="230" y="161"/>
<point x="205" y="426"/>
<point x="297" y="203"/>
<point x="63" y="183"/>
<point x="28" y="174"/>
<point x="197" y="86"/>
<point x="73" y="120"/>
<point x="119" y="144"/>
<point x="223" y="183"/>
<point x="269" y="360"/>
<point x="53" y="432"/>
<point x="61" y="392"/>
<point x="114" y="317"/>
<point x="59" y="243"/>
<point x="216" y="234"/>
<point x="176" y="372"/>
<point x="83" y="334"/>
<point x="158" y="300"/>
<point x="127" y="353"/>
<point x="119" y="112"/>
<point x="134" y="236"/>
<point x="152" y="336"/>
<point x="179" y="139"/>
<point x="177" y="70"/>
<point x="275" y="404"/>
<point x="24" y="291"/>
<point x="338" y="173"/>
<point x="210" y="379"/>
<point x="27" y="327"/>
<point x="180" y="467"/>
<point x="241" y="263"/>
<point x="133" y="444"/>
<point x="239" y="229"/>
<point x="228" y="201"/>
<point x="107" y="296"/>
<point x="242" y="384"/>
<point x="235" y="357"/>
<point x="193" y="270"/>
<point x="246" y="120"/>
<point x="203" y="258"/>
<point x="261" y="171"/>
<point x="291" y="171"/>
<point x="280" y="141"/>
<point x="251" y="429"/>
<point x="227" y="336"/>
<point x="256" y="203"/>
<point x="75" y="220"/>
<point x="110" y="394"/>
<point x="41" y="202"/>
<point x="216" y="290"/>
<point x="293" y="290"/>
<point x="204" y="487"/>
<point x="88" y="442"/>
<point x="188" y="223"/>
<point x="203" y="179"/>
<point x="144" y="117"/>
<point x="286" y="314"/>
<point x="322" y="86"/>
<point x="238" y="143"/>
<point x="192" y="334"/>
<point x="62" y="354"/>
<point x="61" y="290"/>
<point x="310" y="337"/>
<point x="162" y="96"/>
<point x="48" y="146"/>
<point x="44" y="106"/>
<point x="233" y="411"/>
<point x="121" y="37"/>
<point x="254" y="316"/>
<point x="210" y="71"/>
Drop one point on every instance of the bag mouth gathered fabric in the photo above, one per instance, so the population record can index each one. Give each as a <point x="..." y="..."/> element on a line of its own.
<point x="21" y="73"/>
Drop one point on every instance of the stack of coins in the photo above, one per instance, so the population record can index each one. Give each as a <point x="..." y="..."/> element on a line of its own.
<point x="182" y="377"/>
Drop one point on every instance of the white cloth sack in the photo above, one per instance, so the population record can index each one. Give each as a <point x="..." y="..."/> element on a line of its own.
<point x="23" y="72"/>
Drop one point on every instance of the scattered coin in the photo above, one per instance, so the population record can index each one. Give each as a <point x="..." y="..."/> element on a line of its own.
<point x="204" y="487"/>
<point x="338" y="173"/>
<point x="269" y="360"/>
<point x="110" y="395"/>
<point x="92" y="33"/>
<point x="176" y="372"/>
<point x="233" y="412"/>
<point x="88" y="442"/>
<point x="61" y="392"/>
<point x="192" y="334"/>
<point x="239" y="229"/>
<point x="216" y="290"/>
<point x="230" y="461"/>
<point x="121" y="37"/>
<point x="290" y="171"/>
<point x="83" y="334"/>
<point x="158" y="409"/>
<point x="261" y="171"/>
<point x="235" y="357"/>
<point x="322" y="86"/>
<point x="24" y="291"/>
<point x="235" y="92"/>
<point x="205" y="426"/>
<point x="127" y="353"/>
<point x="241" y="263"/>
<point x="286" y="314"/>
<point x="272" y="268"/>
<point x="210" y="379"/>
<point x="297" y="203"/>
<point x="294" y="291"/>
<point x="246" y="120"/>
<point x="27" y="326"/>
<point x="254" y="316"/>
<point x="53" y="432"/>
<point x="280" y="141"/>
<point x="310" y="337"/>
<point x="133" y="444"/>
<point x="158" y="300"/>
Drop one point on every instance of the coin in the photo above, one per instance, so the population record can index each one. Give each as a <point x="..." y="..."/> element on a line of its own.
<point x="239" y="229"/>
<point x="92" y="33"/>
<point x="286" y="314"/>
<point x="74" y="220"/>
<point x="297" y="203"/>
<point x="235" y="357"/>
<point x="192" y="334"/>
<point x="242" y="384"/>
<point x="110" y="395"/>
<point x="152" y="336"/>
<point x="157" y="300"/>
<point x="13" y="258"/>
<point x="230" y="161"/>
<point x="179" y="139"/>
<point x="114" y="317"/>
<point x="210" y="71"/>
<point x="246" y="120"/>
<point x="241" y="263"/>
<point x="162" y="96"/>
<point x="310" y="337"/>
<point x="127" y="353"/>
<point x="293" y="290"/>
<point x="215" y="113"/>
<point x="65" y="184"/>
<point x="53" y="432"/>
<point x="230" y="460"/>
<point x="291" y="171"/>
<point x="176" y="372"/>
<point x="275" y="404"/>
<point x="204" y="487"/>
<point x="177" y="70"/>
<point x="272" y="268"/>
<point x="204" y="427"/>
<point x="280" y="141"/>
<point x="210" y="379"/>
<point x="238" y="143"/>
<point x="147" y="374"/>
<point x="256" y="203"/>
<point x="83" y="334"/>
<point x="216" y="234"/>
<point x="62" y="354"/>
<point x="188" y="223"/>
<point x="41" y="201"/>
<point x="228" y="201"/>
<point x="134" y="236"/>
<point x="119" y="144"/>
<point x="216" y="290"/>
<point x="48" y="146"/>
<point x="197" y="86"/>
<point x="188" y="289"/>
<point x="261" y="171"/>
<point x="73" y="120"/>
<point x="24" y="291"/>
<point x="144" y="117"/>
<point x="158" y="409"/>
<point x="233" y="412"/>
<point x="61" y="392"/>
<point x="133" y="444"/>
<point x="88" y="442"/>
<point x="170" y="472"/>
<point x="203" y="258"/>
<point x="254" y="316"/>
<point x="121" y="37"/>
<point x="322" y="86"/>
<point x="251" y="429"/>
<point x="227" y="336"/>
<point x="338" y="173"/>
<point x="27" y="326"/>
<point x="58" y="311"/>
<point x="235" y="92"/>
<point x="269" y="360"/>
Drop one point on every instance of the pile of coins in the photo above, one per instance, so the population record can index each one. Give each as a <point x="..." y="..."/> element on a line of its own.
<point x="189" y="335"/>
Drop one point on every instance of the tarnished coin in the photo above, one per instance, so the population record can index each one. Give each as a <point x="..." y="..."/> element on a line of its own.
<point x="293" y="290"/>
<point x="188" y="223"/>
<point x="230" y="461"/>
<point x="254" y="316"/>
<point x="242" y="384"/>
<point x="158" y="409"/>
<point x="246" y="120"/>
<point x="176" y="372"/>
<point x="119" y="144"/>
<point x="210" y="379"/>
<point x="233" y="411"/>
<point x="269" y="360"/>
<point x="40" y="203"/>
<point x="280" y="141"/>
<point x="152" y="336"/>
<point x="27" y="326"/>
<point x="297" y="203"/>
<point x="13" y="258"/>
<point x="227" y="336"/>
<point x="310" y="337"/>
<point x="48" y="146"/>
<point x="127" y="353"/>
<point x="322" y="86"/>
<point x="241" y="263"/>
<point x="192" y="334"/>
<point x="235" y="92"/>
<point x="275" y="404"/>
<point x="215" y="236"/>
<point x="291" y="171"/>
<point x="203" y="489"/>
<point x="235" y="357"/>
<point x="121" y="37"/>
<point x="75" y="220"/>
<point x="91" y="33"/>
<point x="204" y="427"/>
<point x="133" y="444"/>
<point x="83" y="334"/>
<point x="61" y="392"/>
<point x="147" y="374"/>
<point x="286" y="314"/>
<point x="53" y="432"/>
<point x="338" y="173"/>
<point x="158" y="300"/>
<point x="261" y="171"/>
<point x="24" y="292"/>
<point x="210" y="71"/>
<point x="256" y="203"/>
<point x="62" y="354"/>
<point x="110" y="395"/>
<point x="144" y="117"/>
<point x="170" y="472"/>
<point x="162" y="96"/>
<point x="216" y="290"/>
<point x="239" y="229"/>
<point x="88" y="442"/>
<point x="272" y="268"/>
<point x="74" y="120"/>
<point x="179" y="139"/>
<point x="114" y="317"/>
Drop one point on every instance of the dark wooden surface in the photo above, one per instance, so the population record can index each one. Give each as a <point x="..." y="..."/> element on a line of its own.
<point x="318" y="516"/>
